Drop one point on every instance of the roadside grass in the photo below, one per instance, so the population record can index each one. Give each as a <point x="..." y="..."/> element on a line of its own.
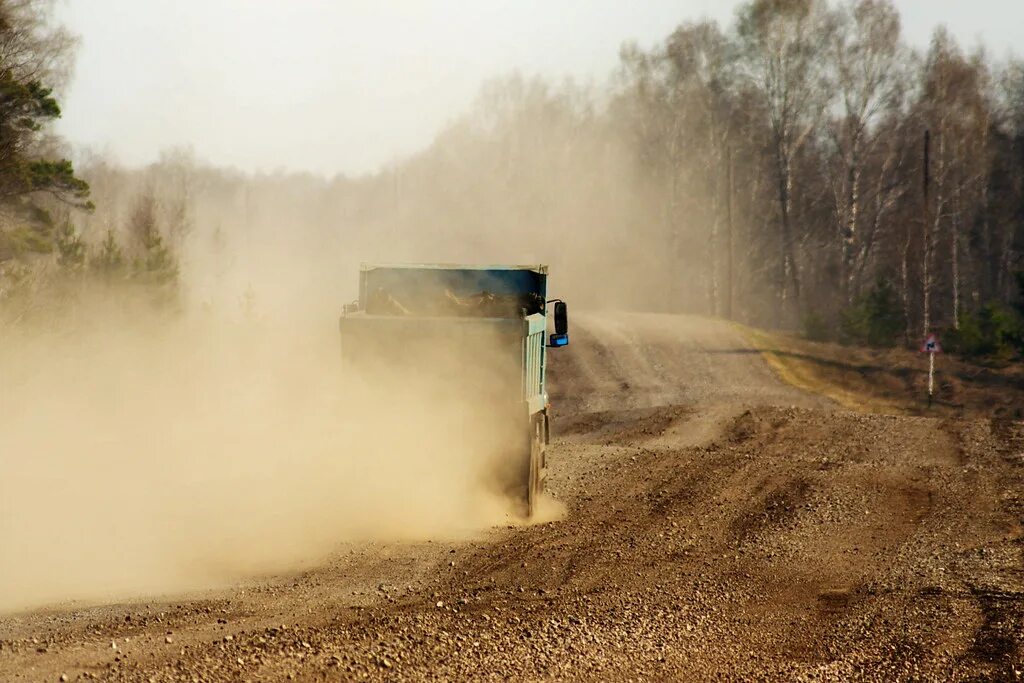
<point x="892" y="380"/>
<point x="799" y="366"/>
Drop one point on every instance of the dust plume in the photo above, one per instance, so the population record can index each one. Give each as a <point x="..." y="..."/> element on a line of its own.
<point x="153" y="452"/>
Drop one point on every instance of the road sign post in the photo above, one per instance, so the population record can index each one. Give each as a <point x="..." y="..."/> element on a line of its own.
<point x="931" y="346"/>
<point x="931" y="377"/>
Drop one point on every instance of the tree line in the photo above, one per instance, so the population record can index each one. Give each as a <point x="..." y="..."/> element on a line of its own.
<point x="870" y="188"/>
<point x="803" y="167"/>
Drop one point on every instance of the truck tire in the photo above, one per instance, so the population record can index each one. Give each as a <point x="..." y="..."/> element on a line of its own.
<point x="535" y="485"/>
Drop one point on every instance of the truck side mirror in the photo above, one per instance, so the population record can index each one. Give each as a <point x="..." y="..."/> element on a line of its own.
<point x="561" y="318"/>
<point x="561" y="335"/>
<point x="557" y="340"/>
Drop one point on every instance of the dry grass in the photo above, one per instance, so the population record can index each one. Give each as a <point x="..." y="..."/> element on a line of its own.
<point x="891" y="381"/>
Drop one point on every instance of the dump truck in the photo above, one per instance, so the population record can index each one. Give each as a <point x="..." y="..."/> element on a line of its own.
<point x="483" y="328"/>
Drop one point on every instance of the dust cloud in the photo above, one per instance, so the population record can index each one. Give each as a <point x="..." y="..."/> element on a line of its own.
<point x="154" y="452"/>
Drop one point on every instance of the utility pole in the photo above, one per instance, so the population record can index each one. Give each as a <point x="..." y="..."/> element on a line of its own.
<point x="728" y="236"/>
<point x="931" y="344"/>
<point x="926" y="234"/>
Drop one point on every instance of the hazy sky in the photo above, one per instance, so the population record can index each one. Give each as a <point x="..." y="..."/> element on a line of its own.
<point x="349" y="85"/>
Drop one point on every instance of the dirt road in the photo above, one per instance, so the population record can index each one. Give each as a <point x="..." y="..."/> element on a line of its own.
<point x="720" y="525"/>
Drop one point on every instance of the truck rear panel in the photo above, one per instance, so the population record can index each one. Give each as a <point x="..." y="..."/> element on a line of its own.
<point x="502" y="357"/>
<point x="470" y="341"/>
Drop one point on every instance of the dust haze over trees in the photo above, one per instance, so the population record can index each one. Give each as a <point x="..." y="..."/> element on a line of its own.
<point x="772" y="171"/>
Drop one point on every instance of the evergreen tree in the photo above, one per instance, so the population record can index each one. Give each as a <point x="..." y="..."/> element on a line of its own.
<point x="109" y="259"/>
<point x="154" y="261"/>
<point x="28" y="52"/>
<point x="70" y="248"/>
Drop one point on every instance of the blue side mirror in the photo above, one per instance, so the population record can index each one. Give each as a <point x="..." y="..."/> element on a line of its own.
<point x="558" y="340"/>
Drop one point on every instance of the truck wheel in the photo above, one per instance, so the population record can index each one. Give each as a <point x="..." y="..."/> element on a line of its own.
<point x="536" y="477"/>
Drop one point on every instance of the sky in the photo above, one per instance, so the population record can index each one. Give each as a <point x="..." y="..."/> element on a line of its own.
<point x="350" y="86"/>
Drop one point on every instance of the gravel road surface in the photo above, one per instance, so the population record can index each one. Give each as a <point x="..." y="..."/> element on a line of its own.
<point x="720" y="525"/>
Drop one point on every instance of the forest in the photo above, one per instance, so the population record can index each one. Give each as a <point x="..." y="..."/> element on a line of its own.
<point x="801" y="168"/>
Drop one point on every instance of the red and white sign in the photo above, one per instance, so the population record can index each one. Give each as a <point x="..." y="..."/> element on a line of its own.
<point x="931" y="345"/>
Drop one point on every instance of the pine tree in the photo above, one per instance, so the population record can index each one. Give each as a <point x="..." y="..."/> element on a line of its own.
<point x="109" y="259"/>
<point x="154" y="261"/>
<point x="70" y="248"/>
<point x="27" y="173"/>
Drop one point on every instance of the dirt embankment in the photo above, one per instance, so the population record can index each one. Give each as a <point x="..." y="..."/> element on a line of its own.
<point x="721" y="524"/>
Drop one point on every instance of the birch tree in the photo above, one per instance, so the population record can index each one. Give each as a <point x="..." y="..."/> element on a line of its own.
<point x="870" y="77"/>
<point x="782" y="44"/>
<point x="954" y="109"/>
